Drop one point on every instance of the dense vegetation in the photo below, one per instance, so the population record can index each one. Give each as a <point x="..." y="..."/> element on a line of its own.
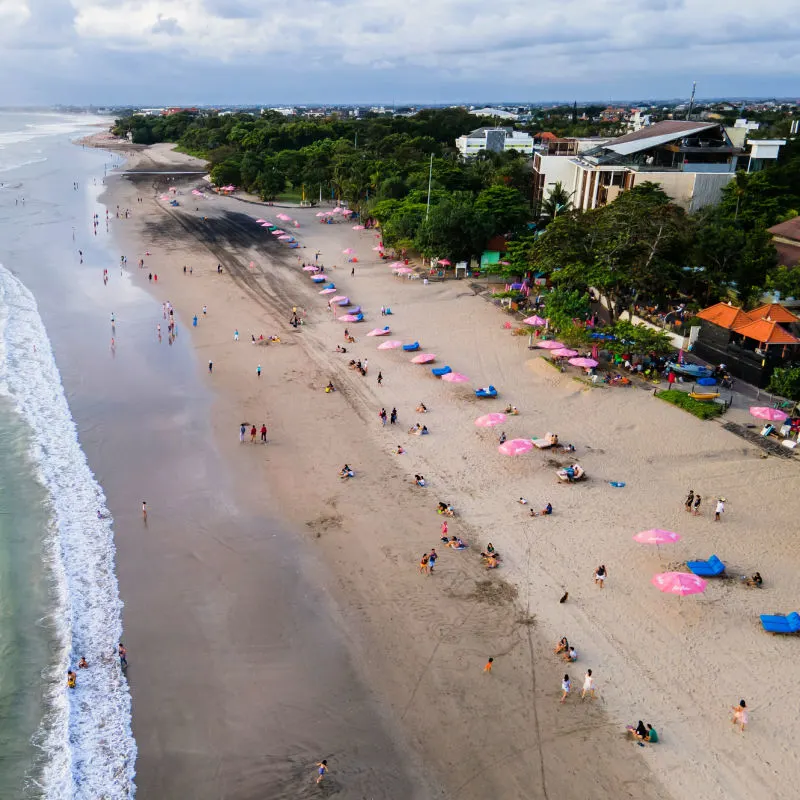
<point x="641" y="251"/>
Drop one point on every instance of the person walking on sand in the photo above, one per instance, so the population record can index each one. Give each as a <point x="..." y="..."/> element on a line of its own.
<point x="258" y="370"/>
<point x="382" y="415"/>
<point x="488" y="667"/>
<point x="444" y="530"/>
<point x="144" y="510"/>
<point x="600" y="575"/>
<point x="253" y="433"/>
<point x="719" y="509"/>
<point x="263" y="433"/>
<point x="242" y="432"/>
<point x="689" y="500"/>
<point x="697" y="501"/>
<point x="588" y="685"/>
<point x="236" y="335"/>
<point x="365" y="365"/>
<point x="566" y="687"/>
<point x="740" y="715"/>
<point x="393" y="417"/>
<point x="205" y="310"/>
<point x="322" y="768"/>
<point x="123" y="656"/>
<point x="432" y="556"/>
<point x="380" y="378"/>
<point x="423" y="563"/>
<point x="210" y="367"/>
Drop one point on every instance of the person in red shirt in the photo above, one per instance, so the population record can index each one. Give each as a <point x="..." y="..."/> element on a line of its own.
<point x="264" y="433"/>
<point x="253" y="432"/>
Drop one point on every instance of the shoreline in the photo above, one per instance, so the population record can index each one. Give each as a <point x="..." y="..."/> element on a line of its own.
<point x="422" y="642"/>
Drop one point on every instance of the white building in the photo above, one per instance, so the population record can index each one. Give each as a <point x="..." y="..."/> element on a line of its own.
<point x="691" y="161"/>
<point x="500" y="113"/>
<point x="495" y="140"/>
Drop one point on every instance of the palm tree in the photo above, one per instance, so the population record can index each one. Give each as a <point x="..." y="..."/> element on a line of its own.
<point x="557" y="201"/>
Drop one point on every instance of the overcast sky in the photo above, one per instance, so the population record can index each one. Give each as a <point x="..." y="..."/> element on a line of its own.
<point x="428" y="51"/>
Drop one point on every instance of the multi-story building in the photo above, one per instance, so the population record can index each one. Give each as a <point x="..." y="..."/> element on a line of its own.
<point x="691" y="161"/>
<point x="496" y="140"/>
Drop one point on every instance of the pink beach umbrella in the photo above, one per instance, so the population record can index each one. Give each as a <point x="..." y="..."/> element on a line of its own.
<point x="379" y="332"/>
<point x="515" y="447"/>
<point x="310" y="268"/>
<point x="358" y="227"/>
<point x="455" y="377"/>
<point x="348" y="212"/>
<point x="259" y="221"/>
<point x="337" y="210"/>
<point x="490" y="420"/>
<point x="321" y="214"/>
<point x="444" y="262"/>
<point x="535" y="320"/>
<point x="286" y="238"/>
<point x="588" y="363"/>
<point x="327" y="291"/>
<point x="336" y="299"/>
<point x="284" y="217"/>
<point x="680" y="583"/>
<point x="266" y="224"/>
<point x="396" y="264"/>
<point x="564" y="352"/>
<point x="657" y="536"/>
<point x="392" y="344"/>
<point x="377" y="249"/>
<point x="403" y="271"/>
<point x="769" y="414"/>
<point x="349" y="318"/>
<point x="424" y="358"/>
<point x="348" y="251"/>
<point x="549" y="344"/>
<point x="278" y="232"/>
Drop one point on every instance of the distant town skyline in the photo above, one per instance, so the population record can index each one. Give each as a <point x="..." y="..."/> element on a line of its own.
<point x="189" y="52"/>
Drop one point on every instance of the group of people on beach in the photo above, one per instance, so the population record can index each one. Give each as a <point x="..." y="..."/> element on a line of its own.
<point x="72" y="675"/>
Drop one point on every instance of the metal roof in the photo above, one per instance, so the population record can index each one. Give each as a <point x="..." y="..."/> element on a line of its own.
<point x="654" y="135"/>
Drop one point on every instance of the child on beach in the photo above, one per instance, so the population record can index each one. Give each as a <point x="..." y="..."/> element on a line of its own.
<point x="322" y="768"/>
<point x="740" y="715"/>
<point x="689" y="500"/>
<point x="697" y="501"/>
<point x="588" y="685"/>
<point x="488" y="667"/>
<point x="600" y="575"/>
<point x="566" y="687"/>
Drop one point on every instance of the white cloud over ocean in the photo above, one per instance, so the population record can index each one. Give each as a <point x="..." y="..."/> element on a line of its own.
<point x="431" y="50"/>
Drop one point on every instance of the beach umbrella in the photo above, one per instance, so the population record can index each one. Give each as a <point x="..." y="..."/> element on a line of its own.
<point x="379" y="332"/>
<point x="680" y="583"/>
<point x="286" y="238"/>
<point x="349" y="318"/>
<point x="444" y="262"/>
<point x="424" y="358"/>
<point x="392" y="344"/>
<point x="769" y="414"/>
<point x="515" y="447"/>
<point x="348" y="251"/>
<point x="278" y="232"/>
<point x="549" y="344"/>
<point x="396" y="264"/>
<point x="337" y="299"/>
<point x="259" y="221"/>
<point x="455" y="377"/>
<point x="358" y="227"/>
<point x="310" y="268"/>
<point x="403" y="271"/>
<point x="490" y="420"/>
<point x="328" y="291"/>
<point x="321" y="214"/>
<point x="377" y="249"/>
<point x="656" y="536"/>
<point x="535" y="320"/>
<point x="347" y="211"/>
<point x="564" y="352"/>
<point x="267" y="225"/>
<point x="284" y="217"/>
<point x="589" y="363"/>
<point x="337" y="210"/>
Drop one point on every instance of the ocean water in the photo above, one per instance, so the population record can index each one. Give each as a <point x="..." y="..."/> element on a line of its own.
<point x="59" y="598"/>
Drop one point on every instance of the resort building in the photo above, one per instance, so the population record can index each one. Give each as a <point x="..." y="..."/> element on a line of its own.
<point x="496" y="140"/>
<point x="691" y="161"/>
<point x="750" y="343"/>
<point x="786" y="238"/>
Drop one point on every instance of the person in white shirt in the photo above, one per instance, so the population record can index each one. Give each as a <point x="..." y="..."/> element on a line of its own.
<point x="588" y="685"/>
<point x="719" y="509"/>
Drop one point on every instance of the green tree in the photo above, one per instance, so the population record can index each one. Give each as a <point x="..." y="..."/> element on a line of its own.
<point x="639" y="340"/>
<point x="453" y="229"/>
<point x="785" y="381"/>
<point x="226" y="173"/>
<point x="505" y="207"/>
<point x="563" y="307"/>
<point x="558" y="201"/>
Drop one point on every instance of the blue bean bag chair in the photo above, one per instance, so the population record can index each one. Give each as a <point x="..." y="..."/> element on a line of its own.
<point x="410" y="348"/>
<point x="439" y="371"/>
<point x="359" y="318"/>
<point x="489" y="391"/>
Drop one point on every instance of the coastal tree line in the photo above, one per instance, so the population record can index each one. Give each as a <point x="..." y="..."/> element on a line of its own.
<point x="639" y="251"/>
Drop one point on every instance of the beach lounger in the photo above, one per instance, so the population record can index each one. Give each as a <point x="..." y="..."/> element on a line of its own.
<point x="708" y="569"/>
<point x="778" y="623"/>
<point x="439" y="371"/>
<point x="488" y="391"/>
<point x="359" y="318"/>
<point x="410" y="348"/>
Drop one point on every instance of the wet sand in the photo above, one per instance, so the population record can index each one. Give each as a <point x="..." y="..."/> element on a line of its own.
<point x="419" y="642"/>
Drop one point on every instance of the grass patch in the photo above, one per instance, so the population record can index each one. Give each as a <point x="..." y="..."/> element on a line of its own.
<point x="291" y="196"/>
<point x="702" y="410"/>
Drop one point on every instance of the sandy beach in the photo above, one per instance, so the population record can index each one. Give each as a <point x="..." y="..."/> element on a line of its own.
<point x="419" y="642"/>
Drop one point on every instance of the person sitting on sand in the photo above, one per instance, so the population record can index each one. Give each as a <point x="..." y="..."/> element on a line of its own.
<point x="492" y="562"/>
<point x="639" y="732"/>
<point x="446" y="509"/>
<point x="562" y="646"/>
<point x="419" y="480"/>
<point x="352" y="363"/>
<point x="346" y="472"/>
<point x="340" y="349"/>
<point x="503" y="437"/>
<point x="545" y="512"/>
<point x="82" y="663"/>
<point x="422" y="409"/>
<point x="351" y="339"/>
<point x="522" y="501"/>
<point x="416" y="430"/>
<point x="553" y="438"/>
<point x="456" y="543"/>
<point x="756" y="581"/>
<point x="400" y="450"/>
<point x="346" y="334"/>
<point x="511" y="410"/>
<point x="490" y="548"/>
<point x="567" y="448"/>
<point x="652" y="735"/>
<point x="330" y="387"/>
<point x="571" y="655"/>
<point x="424" y="431"/>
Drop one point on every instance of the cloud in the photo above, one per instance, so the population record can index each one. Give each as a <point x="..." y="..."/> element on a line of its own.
<point x="430" y="50"/>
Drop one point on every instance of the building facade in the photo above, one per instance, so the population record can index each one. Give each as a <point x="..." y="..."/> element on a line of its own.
<point x="497" y="140"/>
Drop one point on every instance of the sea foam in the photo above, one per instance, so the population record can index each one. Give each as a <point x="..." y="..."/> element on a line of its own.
<point x="89" y="750"/>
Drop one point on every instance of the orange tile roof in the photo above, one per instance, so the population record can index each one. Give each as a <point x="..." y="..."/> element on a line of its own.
<point x="724" y="315"/>
<point x="773" y="311"/>
<point x="767" y="332"/>
<point x="546" y="135"/>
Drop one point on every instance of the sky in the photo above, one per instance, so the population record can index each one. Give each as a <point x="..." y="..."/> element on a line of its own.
<point x="185" y="52"/>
